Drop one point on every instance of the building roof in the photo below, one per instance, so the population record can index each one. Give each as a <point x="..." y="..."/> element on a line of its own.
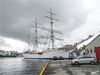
<point x="93" y="39"/>
<point x="87" y="42"/>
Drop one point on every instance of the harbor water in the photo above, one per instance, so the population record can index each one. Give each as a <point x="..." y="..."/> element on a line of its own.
<point x="20" y="66"/>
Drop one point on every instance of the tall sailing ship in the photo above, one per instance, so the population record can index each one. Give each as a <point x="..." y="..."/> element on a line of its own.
<point x="49" y="53"/>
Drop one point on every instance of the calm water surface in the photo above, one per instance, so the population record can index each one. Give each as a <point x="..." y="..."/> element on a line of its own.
<point x="20" y="66"/>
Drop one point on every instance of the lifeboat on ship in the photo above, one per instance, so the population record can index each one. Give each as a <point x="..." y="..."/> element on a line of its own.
<point x="40" y="53"/>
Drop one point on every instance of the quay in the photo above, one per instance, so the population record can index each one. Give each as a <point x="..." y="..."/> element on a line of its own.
<point x="64" y="67"/>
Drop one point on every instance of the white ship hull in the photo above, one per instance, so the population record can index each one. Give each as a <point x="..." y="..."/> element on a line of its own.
<point x="47" y="55"/>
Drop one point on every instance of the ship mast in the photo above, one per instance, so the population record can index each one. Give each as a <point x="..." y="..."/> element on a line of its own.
<point x="28" y="43"/>
<point x="51" y="22"/>
<point x="36" y="37"/>
<point x="51" y="29"/>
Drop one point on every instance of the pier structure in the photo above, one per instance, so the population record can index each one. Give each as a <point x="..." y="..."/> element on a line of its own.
<point x="64" y="67"/>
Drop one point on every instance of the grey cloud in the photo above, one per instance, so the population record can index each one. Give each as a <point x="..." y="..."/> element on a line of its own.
<point x="16" y="15"/>
<point x="3" y="43"/>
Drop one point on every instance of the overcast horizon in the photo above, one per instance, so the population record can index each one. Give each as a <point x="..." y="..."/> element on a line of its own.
<point x="77" y="20"/>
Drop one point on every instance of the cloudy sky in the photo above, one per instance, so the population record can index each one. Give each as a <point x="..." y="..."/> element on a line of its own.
<point x="77" y="19"/>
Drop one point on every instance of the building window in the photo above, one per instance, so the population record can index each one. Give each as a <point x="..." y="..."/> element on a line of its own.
<point x="87" y="51"/>
<point x="91" y="50"/>
<point x="94" y="51"/>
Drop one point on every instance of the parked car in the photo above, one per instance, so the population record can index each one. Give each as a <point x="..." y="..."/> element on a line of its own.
<point x="55" y="58"/>
<point x="84" y="59"/>
<point x="61" y="58"/>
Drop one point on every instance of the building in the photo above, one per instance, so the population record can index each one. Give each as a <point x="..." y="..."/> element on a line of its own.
<point x="85" y="42"/>
<point x="67" y="47"/>
<point x="90" y="47"/>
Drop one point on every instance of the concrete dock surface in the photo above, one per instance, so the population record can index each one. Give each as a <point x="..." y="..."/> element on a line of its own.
<point x="64" y="67"/>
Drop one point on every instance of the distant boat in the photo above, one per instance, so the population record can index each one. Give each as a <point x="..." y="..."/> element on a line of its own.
<point x="7" y="55"/>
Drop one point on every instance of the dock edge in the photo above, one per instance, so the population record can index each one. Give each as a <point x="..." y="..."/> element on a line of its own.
<point x="41" y="73"/>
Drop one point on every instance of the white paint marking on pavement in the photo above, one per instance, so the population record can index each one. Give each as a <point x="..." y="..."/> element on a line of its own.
<point x="94" y="72"/>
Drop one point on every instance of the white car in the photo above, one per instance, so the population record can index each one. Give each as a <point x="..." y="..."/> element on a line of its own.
<point x="84" y="59"/>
